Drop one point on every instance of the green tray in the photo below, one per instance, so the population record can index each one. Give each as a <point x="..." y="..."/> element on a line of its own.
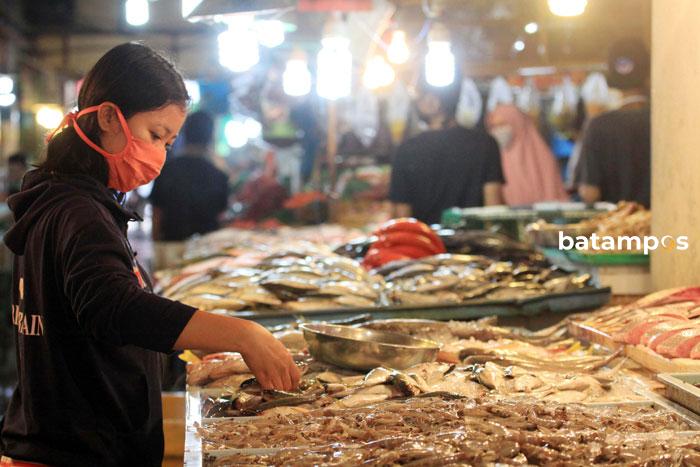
<point x="608" y="259"/>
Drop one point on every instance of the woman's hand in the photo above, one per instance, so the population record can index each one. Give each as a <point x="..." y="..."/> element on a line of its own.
<point x="269" y="360"/>
<point x="266" y="357"/>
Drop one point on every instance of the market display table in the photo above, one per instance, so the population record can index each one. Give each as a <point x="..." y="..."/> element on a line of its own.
<point x="584" y="299"/>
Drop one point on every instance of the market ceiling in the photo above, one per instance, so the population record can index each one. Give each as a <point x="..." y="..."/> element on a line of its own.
<point x="483" y="31"/>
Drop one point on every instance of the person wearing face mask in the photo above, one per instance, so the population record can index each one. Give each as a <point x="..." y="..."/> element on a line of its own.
<point x="530" y="170"/>
<point x="446" y="166"/>
<point x="615" y="160"/>
<point x="89" y="331"/>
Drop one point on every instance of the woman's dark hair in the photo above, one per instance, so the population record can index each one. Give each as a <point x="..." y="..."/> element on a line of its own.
<point x="134" y="77"/>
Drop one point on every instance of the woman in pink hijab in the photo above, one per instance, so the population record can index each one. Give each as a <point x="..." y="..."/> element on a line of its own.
<point x="529" y="167"/>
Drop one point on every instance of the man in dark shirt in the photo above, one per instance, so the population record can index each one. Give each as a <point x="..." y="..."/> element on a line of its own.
<point x="615" y="162"/>
<point x="447" y="166"/>
<point x="16" y="168"/>
<point x="190" y="193"/>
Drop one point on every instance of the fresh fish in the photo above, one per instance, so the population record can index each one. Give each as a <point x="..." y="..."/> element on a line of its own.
<point x="365" y="396"/>
<point x="210" y="302"/>
<point x="311" y="304"/>
<point x="255" y="295"/>
<point x="347" y="288"/>
<point x="410" y="271"/>
<point x="377" y="376"/>
<point x="354" y="301"/>
<point x="407" y="385"/>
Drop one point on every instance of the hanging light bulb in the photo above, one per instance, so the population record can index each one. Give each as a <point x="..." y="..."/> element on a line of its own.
<point x="567" y="7"/>
<point x="532" y="28"/>
<point x="235" y="134"/>
<point x="398" y="52"/>
<point x="6" y="100"/>
<point x="49" y="116"/>
<point x="7" y="84"/>
<point x="378" y="73"/>
<point x="238" y="45"/>
<point x="519" y="45"/>
<point x="252" y="128"/>
<point x="296" y="79"/>
<point x="270" y="33"/>
<point x="137" y="13"/>
<point x="439" y="61"/>
<point x="334" y="63"/>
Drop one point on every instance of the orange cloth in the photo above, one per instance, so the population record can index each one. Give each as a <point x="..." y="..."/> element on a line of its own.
<point x="530" y="170"/>
<point x="9" y="462"/>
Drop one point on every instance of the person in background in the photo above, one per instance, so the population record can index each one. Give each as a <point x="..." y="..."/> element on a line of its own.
<point x="595" y="99"/>
<point x="446" y="166"/>
<point x="190" y="193"/>
<point x="615" y="160"/>
<point x="531" y="172"/>
<point x="16" y="168"/>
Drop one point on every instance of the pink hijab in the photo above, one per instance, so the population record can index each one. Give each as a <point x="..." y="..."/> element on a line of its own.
<point x="531" y="172"/>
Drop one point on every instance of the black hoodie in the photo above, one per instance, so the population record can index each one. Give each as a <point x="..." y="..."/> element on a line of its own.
<point x="89" y="391"/>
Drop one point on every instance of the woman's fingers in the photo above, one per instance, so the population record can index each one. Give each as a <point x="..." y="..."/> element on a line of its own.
<point x="295" y="376"/>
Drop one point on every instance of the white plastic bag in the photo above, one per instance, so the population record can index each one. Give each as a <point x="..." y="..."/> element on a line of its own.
<point x="595" y="89"/>
<point x="364" y="116"/>
<point x="528" y="99"/>
<point x="500" y="93"/>
<point x="562" y="114"/>
<point x="398" y="110"/>
<point x="470" y="104"/>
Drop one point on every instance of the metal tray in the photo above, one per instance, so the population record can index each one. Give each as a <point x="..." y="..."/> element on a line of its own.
<point x="204" y="458"/>
<point x="680" y="387"/>
<point x="584" y="299"/>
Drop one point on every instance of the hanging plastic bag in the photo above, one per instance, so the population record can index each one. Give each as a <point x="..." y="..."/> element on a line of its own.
<point x="470" y="104"/>
<point x="398" y="109"/>
<point x="595" y="89"/>
<point x="562" y="115"/>
<point x="500" y="93"/>
<point x="363" y="117"/>
<point x="595" y="94"/>
<point x="529" y="100"/>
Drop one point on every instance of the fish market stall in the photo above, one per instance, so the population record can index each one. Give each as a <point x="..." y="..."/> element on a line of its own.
<point x="463" y="390"/>
<point x="495" y="393"/>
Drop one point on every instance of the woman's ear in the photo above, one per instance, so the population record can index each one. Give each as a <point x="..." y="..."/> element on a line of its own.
<point x="108" y="120"/>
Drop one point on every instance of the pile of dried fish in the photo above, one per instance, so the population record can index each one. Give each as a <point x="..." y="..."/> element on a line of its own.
<point x="451" y="278"/>
<point x="525" y="432"/>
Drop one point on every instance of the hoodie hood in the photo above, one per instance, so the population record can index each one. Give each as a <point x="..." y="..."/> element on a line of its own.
<point x="42" y="192"/>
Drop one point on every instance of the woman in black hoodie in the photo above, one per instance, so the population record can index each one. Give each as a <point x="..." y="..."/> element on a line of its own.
<point x="88" y="326"/>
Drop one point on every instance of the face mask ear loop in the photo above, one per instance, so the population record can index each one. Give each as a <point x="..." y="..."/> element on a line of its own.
<point x="122" y="120"/>
<point x="84" y="137"/>
<point x="68" y="120"/>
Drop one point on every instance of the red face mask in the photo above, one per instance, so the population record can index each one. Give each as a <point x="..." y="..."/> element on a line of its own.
<point x="135" y="165"/>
